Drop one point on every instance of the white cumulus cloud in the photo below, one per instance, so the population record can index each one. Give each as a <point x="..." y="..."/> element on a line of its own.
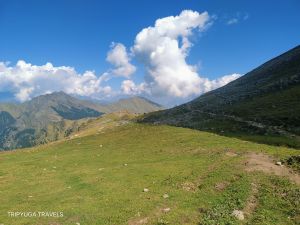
<point x="163" y="55"/>
<point x="118" y="57"/>
<point x="209" y="85"/>
<point x="128" y="87"/>
<point x="27" y="81"/>
<point x="163" y="49"/>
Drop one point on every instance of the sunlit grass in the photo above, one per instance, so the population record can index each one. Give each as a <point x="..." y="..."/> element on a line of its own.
<point x="99" y="178"/>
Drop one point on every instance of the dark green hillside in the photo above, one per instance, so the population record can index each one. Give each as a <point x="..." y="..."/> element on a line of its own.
<point x="265" y="101"/>
<point x="72" y="113"/>
<point x="43" y="119"/>
<point x="7" y="123"/>
<point x="5" y="120"/>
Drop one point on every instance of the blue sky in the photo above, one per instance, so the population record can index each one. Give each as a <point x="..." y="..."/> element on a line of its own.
<point x="238" y="36"/>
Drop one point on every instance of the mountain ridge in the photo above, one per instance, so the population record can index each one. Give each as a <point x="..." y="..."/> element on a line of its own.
<point x="53" y="116"/>
<point x="264" y="101"/>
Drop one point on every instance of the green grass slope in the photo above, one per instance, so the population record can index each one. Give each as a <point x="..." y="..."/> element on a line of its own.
<point x="99" y="178"/>
<point x="264" y="102"/>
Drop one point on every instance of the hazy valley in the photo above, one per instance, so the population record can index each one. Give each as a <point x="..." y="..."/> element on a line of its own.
<point x="54" y="116"/>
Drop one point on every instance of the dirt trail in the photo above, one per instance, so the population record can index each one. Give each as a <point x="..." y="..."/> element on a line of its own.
<point x="264" y="163"/>
<point x="138" y="221"/>
<point x="251" y="201"/>
<point x="156" y="213"/>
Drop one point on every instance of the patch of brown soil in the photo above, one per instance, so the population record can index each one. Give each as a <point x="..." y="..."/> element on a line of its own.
<point x="264" y="163"/>
<point x="138" y="221"/>
<point x="231" y="154"/>
<point x="221" y="186"/>
<point x="251" y="201"/>
<point x="156" y="213"/>
<point x="189" y="186"/>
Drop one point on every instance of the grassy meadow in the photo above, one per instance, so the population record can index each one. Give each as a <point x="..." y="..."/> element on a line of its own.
<point x="99" y="177"/>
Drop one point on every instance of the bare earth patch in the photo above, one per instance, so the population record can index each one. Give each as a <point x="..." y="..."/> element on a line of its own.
<point x="221" y="186"/>
<point x="231" y="154"/>
<point x="189" y="186"/>
<point x="264" y="163"/>
<point x="251" y="201"/>
<point x="145" y="220"/>
<point x="138" y="221"/>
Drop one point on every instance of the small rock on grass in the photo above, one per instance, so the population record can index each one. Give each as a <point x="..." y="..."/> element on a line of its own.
<point x="165" y="196"/>
<point x="238" y="214"/>
<point x="146" y="190"/>
<point x="165" y="210"/>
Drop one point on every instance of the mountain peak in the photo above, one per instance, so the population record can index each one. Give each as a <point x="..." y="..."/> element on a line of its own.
<point x="142" y="99"/>
<point x="134" y="104"/>
<point x="56" y="94"/>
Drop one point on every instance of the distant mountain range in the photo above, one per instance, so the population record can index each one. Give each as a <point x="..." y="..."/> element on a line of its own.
<point x="53" y="116"/>
<point x="265" y="101"/>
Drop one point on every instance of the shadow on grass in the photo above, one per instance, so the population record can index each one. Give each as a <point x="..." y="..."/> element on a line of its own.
<point x="225" y="127"/>
<point x="275" y="140"/>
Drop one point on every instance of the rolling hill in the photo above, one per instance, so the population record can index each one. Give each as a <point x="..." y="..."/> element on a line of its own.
<point x="264" y="102"/>
<point x="116" y="171"/>
<point x="53" y="116"/>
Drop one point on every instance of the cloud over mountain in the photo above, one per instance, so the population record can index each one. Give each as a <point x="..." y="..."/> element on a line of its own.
<point x="162" y="49"/>
<point x="118" y="57"/>
<point x="26" y="80"/>
<point x="128" y="87"/>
